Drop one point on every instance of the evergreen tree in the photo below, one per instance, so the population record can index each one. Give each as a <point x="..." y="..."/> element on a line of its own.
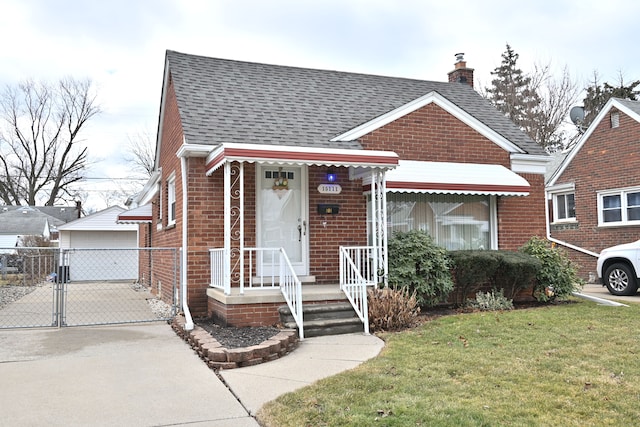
<point x="598" y="95"/>
<point x="511" y="91"/>
<point x="537" y="102"/>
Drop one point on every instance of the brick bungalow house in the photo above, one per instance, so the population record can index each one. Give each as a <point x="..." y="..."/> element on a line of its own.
<point x="283" y="183"/>
<point x="594" y="195"/>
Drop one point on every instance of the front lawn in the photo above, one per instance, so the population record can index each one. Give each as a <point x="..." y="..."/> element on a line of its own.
<point x="574" y="364"/>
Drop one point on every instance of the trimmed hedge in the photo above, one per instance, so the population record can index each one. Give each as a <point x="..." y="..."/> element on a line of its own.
<point x="475" y="270"/>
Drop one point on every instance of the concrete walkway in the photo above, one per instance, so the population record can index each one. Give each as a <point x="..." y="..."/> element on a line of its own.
<point x="145" y="375"/>
<point x="314" y="359"/>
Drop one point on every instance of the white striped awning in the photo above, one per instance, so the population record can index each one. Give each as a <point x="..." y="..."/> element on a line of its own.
<point x="139" y="215"/>
<point x="454" y="178"/>
<point x="279" y="154"/>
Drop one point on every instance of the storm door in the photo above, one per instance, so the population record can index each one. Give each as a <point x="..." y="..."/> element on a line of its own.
<point x="282" y="216"/>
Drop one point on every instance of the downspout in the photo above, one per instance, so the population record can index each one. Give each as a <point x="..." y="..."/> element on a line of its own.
<point x="560" y="242"/>
<point x="183" y="270"/>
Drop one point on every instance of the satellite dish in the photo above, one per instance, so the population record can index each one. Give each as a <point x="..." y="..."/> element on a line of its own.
<point x="577" y="115"/>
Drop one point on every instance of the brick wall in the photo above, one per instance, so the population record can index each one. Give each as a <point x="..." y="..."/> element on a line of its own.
<point x="520" y="218"/>
<point x="163" y="235"/>
<point x="328" y="232"/>
<point x="432" y="134"/>
<point x="607" y="160"/>
<point x="263" y="314"/>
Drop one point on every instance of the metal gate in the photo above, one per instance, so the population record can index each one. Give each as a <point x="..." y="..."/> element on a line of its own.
<point x="51" y="287"/>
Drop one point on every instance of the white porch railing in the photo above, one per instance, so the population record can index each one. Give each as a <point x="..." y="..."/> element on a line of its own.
<point x="263" y="267"/>
<point x="275" y="271"/>
<point x="291" y="289"/>
<point x="357" y="272"/>
<point x="217" y="269"/>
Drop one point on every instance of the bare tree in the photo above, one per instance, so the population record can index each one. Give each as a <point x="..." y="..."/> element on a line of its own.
<point x="141" y="153"/>
<point x="537" y="102"/>
<point x="40" y="124"/>
<point x="549" y="125"/>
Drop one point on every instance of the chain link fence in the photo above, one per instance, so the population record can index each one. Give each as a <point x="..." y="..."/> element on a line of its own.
<point x="43" y="287"/>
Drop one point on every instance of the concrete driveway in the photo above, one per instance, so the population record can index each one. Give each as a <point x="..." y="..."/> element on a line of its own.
<point x="138" y="375"/>
<point x="600" y="291"/>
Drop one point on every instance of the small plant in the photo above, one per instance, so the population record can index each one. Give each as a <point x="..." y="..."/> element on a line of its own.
<point x="557" y="276"/>
<point x="491" y="301"/>
<point x="421" y="266"/>
<point x="392" y="309"/>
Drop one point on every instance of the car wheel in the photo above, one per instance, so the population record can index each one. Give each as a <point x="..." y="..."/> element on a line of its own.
<point x="620" y="280"/>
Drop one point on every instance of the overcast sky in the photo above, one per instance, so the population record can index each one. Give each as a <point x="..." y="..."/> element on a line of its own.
<point x="120" y="45"/>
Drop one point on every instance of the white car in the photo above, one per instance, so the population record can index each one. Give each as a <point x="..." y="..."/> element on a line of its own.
<point x="618" y="268"/>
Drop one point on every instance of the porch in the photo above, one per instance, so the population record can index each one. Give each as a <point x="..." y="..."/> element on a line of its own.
<point x="259" y="300"/>
<point x="294" y="234"/>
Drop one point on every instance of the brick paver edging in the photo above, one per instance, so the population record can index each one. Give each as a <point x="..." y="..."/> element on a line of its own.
<point x="218" y="357"/>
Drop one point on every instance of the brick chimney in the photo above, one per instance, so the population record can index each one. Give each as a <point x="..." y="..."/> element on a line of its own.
<point x="461" y="74"/>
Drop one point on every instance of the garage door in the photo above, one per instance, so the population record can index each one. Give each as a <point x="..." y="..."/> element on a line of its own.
<point x="103" y="255"/>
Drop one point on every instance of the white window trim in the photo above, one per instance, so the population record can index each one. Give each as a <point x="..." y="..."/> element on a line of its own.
<point x="160" y="205"/>
<point x="623" y="206"/>
<point x="557" y="220"/>
<point x="493" y="222"/>
<point x="171" y="199"/>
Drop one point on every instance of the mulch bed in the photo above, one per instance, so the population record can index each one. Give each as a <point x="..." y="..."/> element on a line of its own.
<point x="233" y="337"/>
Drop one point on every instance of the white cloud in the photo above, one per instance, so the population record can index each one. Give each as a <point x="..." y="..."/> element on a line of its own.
<point x="120" y="44"/>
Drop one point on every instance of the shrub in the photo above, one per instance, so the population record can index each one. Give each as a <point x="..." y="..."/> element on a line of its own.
<point x="491" y="301"/>
<point x="392" y="309"/>
<point x="508" y="271"/>
<point x="557" y="276"/>
<point x="472" y="270"/>
<point x="516" y="271"/>
<point x="418" y="264"/>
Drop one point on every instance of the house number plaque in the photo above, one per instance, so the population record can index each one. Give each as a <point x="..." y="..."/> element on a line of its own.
<point x="329" y="189"/>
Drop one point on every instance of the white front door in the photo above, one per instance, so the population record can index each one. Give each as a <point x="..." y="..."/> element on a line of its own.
<point x="282" y="215"/>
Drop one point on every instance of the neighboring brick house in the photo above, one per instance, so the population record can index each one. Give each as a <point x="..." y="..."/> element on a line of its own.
<point x="594" y="195"/>
<point x="254" y="156"/>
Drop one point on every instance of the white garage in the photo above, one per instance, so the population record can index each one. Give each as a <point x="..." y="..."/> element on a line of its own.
<point x="99" y="247"/>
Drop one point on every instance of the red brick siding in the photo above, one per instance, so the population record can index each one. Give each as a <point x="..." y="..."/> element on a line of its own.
<point x="605" y="161"/>
<point x="167" y="237"/>
<point x="263" y="314"/>
<point x="432" y="134"/>
<point x="520" y="218"/>
<point x="347" y="228"/>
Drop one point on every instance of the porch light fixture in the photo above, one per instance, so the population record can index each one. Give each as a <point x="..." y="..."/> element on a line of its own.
<point x="332" y="176"/>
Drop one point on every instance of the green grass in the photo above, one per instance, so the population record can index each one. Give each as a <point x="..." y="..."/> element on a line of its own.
<point x="565" y="365"/>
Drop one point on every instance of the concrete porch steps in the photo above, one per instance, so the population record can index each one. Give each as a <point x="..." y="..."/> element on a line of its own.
<point x="324" y="319"/>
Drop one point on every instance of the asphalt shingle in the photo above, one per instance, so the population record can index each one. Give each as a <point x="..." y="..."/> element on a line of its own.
<point x="243" y="102"/>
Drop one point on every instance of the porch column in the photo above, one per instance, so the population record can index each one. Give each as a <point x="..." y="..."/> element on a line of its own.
<point x="379" y="224"/>
<point x="233" y="225"/>
<point x="227" y="228"/>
